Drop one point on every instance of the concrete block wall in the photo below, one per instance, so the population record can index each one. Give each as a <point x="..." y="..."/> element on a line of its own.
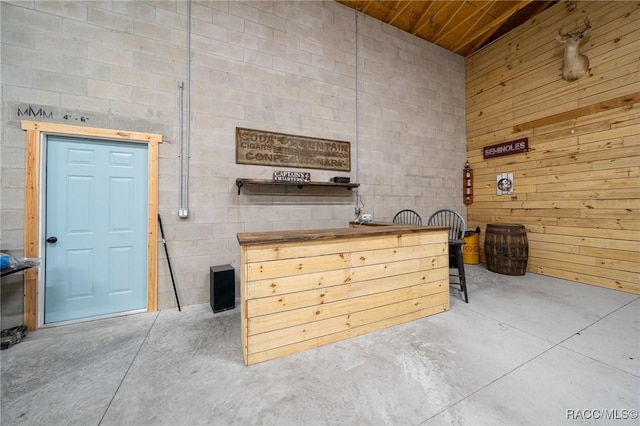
<point x="289" y="67"/>
<point x="411" y="122"/>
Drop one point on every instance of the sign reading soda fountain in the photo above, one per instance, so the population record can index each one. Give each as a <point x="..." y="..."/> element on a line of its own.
<point x="279" y="149"/>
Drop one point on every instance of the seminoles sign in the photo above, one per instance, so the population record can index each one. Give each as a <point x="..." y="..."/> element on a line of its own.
<point x="506" y="148"/>
<point x="278" y="149"/>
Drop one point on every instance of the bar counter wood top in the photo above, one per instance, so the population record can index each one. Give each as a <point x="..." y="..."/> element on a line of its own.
<point x="371" y="228"/>
<point x="303" y="289"/>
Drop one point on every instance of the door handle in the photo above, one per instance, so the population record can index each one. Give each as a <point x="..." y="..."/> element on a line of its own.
<point x="51" y="240"/>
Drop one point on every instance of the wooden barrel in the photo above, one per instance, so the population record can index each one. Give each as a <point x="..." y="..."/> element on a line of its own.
<point x="506" y="248"/>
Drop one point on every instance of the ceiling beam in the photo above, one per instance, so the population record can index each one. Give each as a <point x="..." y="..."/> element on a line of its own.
<point x="366" y="6"/>
<point x="446" y="24"/>
<point x="396" y="12"/>
<point x="485" y="8"/>
<point x="419" y="24"/>
<point x="487" y="31"/>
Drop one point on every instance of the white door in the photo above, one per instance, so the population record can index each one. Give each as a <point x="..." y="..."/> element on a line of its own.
<point x="95" y="228"/>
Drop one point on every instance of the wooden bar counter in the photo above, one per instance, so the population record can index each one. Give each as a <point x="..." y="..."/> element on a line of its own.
<point x="303" y="289"/>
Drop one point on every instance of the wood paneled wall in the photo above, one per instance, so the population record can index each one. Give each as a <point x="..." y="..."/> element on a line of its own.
<point x="577" y="190"/>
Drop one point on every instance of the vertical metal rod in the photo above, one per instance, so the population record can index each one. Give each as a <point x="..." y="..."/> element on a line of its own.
<point x="357" y="123"/>
<point x="180" y="154"/>
<point x="357" y="112"/>
<point x="356" y="118"/>
<point x="188" y="148"/>
<point x="166" y="251"/>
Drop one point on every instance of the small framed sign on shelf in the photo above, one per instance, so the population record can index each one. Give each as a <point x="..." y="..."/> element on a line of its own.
<point x="284" y="176"/>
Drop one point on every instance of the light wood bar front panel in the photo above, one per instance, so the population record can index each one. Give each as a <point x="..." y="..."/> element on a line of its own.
<point x="305" y="289"/>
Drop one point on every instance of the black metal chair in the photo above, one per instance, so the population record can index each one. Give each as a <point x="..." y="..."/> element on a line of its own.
<point x="457" y="228"/>
<point x="407" y="217"/>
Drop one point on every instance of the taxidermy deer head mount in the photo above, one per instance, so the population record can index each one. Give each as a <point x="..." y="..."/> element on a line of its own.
<point x="575" y="64"/>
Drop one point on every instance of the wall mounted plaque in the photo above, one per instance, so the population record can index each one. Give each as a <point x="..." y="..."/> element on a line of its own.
<point x="506" y="148"/>
<point x="279" y="149"/>
<point x="504" y="184"/>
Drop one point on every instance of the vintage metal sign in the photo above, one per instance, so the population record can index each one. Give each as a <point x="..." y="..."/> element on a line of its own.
<point x="506" y="148"/>
<point x="284" y="176"/>
<point x="278" y="149"/>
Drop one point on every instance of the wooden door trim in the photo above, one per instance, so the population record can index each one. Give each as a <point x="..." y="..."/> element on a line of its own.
<point x="35" y="131"/>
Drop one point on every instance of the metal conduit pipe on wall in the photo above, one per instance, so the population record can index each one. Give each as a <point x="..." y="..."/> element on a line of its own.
<point x="181" y="145"/>
<point x="357" y="209"/>
<point x="183" y="170"/>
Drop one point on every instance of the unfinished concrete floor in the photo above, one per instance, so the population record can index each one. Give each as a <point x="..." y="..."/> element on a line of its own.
<point x="525" y="350"/>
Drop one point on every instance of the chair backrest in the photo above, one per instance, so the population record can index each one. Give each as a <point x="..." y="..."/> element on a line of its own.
<point x="451" y="219"/>
<point x="408" y="217"/>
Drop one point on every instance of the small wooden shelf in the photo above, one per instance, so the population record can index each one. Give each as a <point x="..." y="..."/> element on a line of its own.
<point x="240" y="182"/>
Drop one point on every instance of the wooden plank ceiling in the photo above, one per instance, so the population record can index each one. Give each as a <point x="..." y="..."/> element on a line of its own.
<point x="461" y="26"/>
